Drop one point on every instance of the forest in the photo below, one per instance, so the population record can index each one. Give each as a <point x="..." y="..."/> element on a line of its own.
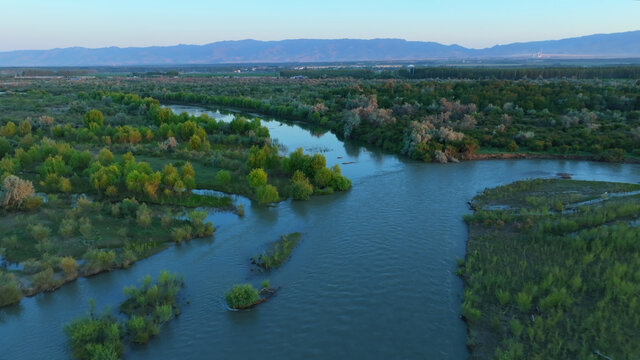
<point x="443" y="120"/>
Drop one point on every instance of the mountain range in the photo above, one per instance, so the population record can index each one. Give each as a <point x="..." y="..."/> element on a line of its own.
<point x="617" y="45"/>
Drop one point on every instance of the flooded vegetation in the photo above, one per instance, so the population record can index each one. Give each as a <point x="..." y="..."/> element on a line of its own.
<point x="146" y="308"/>
<point x="541" y="283"/>
<point x="277" y="253"/>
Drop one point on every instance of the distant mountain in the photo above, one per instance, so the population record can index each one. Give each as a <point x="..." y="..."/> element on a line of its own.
<point x="616" y="45"/>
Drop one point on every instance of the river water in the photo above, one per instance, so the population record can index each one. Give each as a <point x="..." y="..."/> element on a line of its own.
<point x="373" y="277"/>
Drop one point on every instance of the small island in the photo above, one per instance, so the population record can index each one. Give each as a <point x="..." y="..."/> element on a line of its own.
<point x="245" y="296"/>
<point x="277" y="253"/>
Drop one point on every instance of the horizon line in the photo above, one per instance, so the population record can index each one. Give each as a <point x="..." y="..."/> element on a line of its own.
<point x="317" y="39"/>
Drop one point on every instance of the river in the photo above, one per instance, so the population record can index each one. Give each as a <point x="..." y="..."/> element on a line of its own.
<point x="373" y="277"/>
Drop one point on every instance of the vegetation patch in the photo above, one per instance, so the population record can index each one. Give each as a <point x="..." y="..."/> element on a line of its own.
<point x="92" y="181"/>
<point x="147" y="308"/>
<point x="245" y="296"/>
<point x="278" y="252"/>
<point x="553" y="276"/>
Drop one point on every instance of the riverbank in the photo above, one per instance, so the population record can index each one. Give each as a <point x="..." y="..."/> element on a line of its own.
<point x="547" y="273"/>
<point x="529" y="156"/>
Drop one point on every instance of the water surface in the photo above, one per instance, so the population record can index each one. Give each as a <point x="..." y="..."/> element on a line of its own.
<point x="373" y="277"/>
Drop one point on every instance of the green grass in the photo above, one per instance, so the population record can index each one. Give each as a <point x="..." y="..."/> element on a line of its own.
<point x="545" y="284"/>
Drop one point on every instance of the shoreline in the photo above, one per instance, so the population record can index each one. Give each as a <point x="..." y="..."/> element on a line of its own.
<point x="531" y="156"/>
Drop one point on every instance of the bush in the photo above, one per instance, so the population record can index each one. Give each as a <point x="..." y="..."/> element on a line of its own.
<point x="95" y="338"/>
<point x="257" y="178"/>
<point x="100" y="259"/>
<point x="223" y="177"/>
<point x="151" y="305"/>
<point x="39" y="232"/>
<point x="267" y="194"/>
<point x="69" y="266"/>
<point x="67" y="227"/>
<point x="44" y="279"/>
<point x="94" y="118"/>
<point x="241" y="296"/>
<point x="16" y="191"/>
<point x="301" y="188"/>
<point x="9" y="290"/>
<point x="85" y="228"/>
<point x="143" y="216"/>
<point x="33" y="203"/>
<point x="339" y="182"/>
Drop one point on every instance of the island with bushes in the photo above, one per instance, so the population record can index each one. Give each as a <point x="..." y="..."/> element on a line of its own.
<point x="147" y="309"/>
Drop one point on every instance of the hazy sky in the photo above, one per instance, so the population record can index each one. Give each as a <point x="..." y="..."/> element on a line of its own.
<point x="45" y="24"/>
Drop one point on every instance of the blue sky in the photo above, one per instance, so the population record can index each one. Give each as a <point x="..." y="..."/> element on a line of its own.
<point x="45" y="24"/>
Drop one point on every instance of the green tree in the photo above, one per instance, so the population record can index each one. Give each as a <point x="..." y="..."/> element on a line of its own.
<point x="105" y="157"/>
<point x="267" y="194"/>
<point x="301" y="188"/>
<point x="94" y="119"/>
<point x="195" y="143"/>
<point x="241" y="296"/>
<point x="223" y="177"/>
<point x="257" y="178"/>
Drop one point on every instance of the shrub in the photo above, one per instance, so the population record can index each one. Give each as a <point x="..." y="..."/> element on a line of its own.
<point x="267" y="194"/>
<point x="339" y="182"/>
<point x="223" y="177"/>
<point x="39" y="232"/>
<point x="523" y="300"/>
<point x="69" y="266"/>
<point x="503" y="296"/>
<point x="129" y="207"/>
<point x="143" y="216"/>
<point x="257" y="178"/>
<point x="85" y="228"/>
<point x="16" y="191"/>
<point x="181" y="234"/>
<point x="99" y="259"/>
<point x="469" y="312"/>
<point x="241" y="296"/>
<point x="151" y="305"/>
<point x="105" y="157"/>
<point x="264" y="284"/>
<point x="94" y="118"/>
<point x="301" y="188"/>
<point x="44" y="279"/>
<point x="67" y="227"/>
<point x="33" y="203"/>
<point x="197" y="217"/>
<point x="195" y="142"/>
<point x="9" y="290"/>
<point x="322" y="177"/>
<point x="95" y="338"/>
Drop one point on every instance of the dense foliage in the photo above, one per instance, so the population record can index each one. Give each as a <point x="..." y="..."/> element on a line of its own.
<point x="242" y="296"/>
<point x="147" y="309"/>
<point x="551" y="271"/>
<point x="150" y="306"/>
<point x="446" y="120"/>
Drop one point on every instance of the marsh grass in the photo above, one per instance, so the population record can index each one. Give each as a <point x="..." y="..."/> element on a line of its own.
<point x="543" y="284"/>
